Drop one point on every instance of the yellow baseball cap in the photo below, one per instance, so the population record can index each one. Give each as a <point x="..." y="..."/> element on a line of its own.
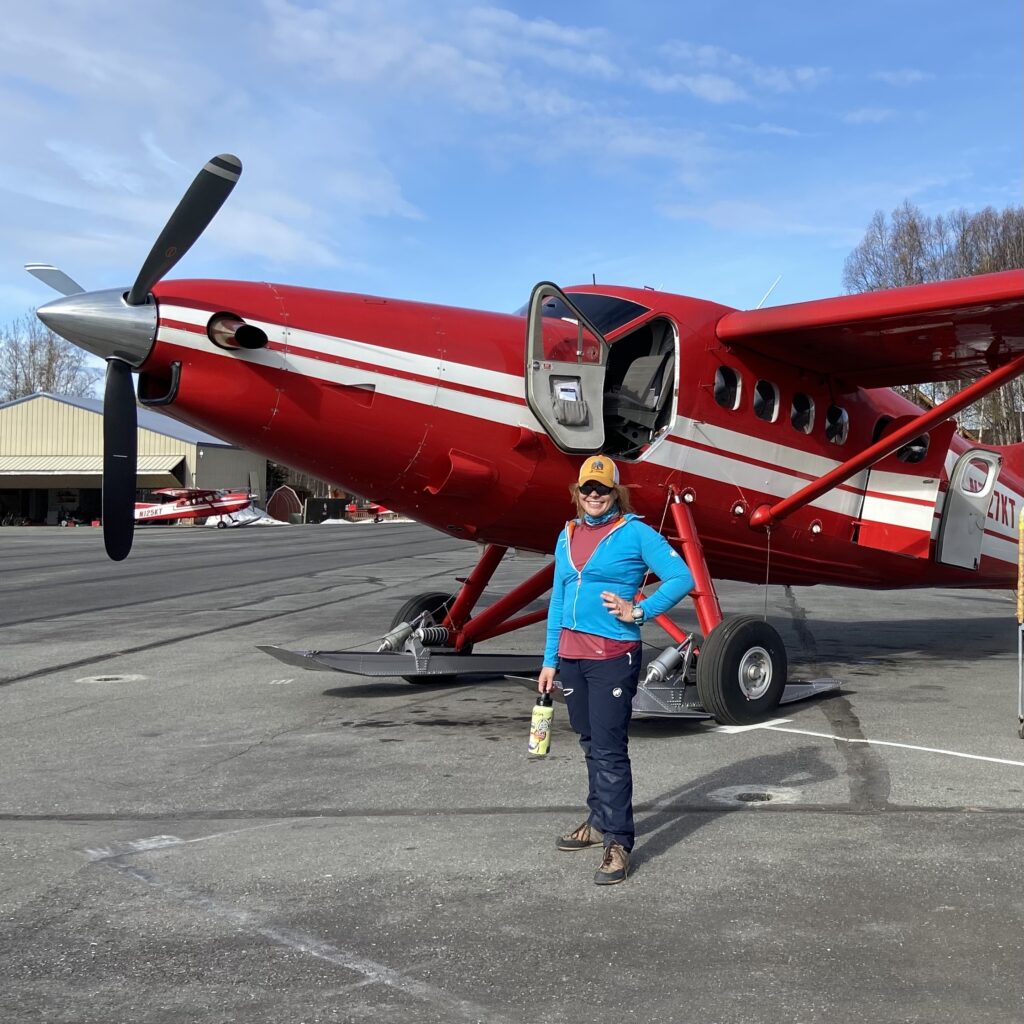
<point x="601" y="469"/>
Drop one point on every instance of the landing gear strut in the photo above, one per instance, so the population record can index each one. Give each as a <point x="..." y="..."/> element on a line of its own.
<point x="741" y="666"/>
<point x="739" y="677"/>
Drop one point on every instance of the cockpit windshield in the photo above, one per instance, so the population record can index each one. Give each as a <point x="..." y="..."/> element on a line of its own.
<point x="605" y="312"/>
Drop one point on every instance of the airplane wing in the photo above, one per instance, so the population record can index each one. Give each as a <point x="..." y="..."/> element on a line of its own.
<point x="184" y="492"/>
<point x="949" y="330"/>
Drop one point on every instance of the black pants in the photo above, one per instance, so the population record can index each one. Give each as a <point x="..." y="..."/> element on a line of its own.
<point x="600" y="699"/>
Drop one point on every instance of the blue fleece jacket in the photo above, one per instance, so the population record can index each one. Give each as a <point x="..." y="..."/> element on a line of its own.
<point x="619" y="563"/>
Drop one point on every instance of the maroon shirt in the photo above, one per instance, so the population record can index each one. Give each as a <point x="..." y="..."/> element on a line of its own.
<point x="573" y="643"/>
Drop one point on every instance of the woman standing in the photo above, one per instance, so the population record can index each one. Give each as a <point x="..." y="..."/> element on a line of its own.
<point x="593" y="643"/>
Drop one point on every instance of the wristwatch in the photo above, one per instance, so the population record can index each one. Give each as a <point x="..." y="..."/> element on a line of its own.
<point x="638" y="615"/>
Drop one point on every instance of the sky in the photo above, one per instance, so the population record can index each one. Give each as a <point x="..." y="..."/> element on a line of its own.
<point x="458" y="152"/>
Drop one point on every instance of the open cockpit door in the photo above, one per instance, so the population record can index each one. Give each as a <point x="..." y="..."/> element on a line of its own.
<point x="962" y="529"/>
<point x="566" y="359"/>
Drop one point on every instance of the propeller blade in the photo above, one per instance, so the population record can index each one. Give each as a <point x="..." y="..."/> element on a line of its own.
<point x="56" y="279"/>
<point x="198" y="206"/>
<point x="120" y="450"/>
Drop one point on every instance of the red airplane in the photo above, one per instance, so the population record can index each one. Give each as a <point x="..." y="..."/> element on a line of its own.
<point x="765" y="443"/>
<point x="192" y="503"/>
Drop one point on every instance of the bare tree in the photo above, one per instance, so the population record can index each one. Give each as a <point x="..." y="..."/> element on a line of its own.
<point x="913" y="248"/>
<point x="33" y="358"/>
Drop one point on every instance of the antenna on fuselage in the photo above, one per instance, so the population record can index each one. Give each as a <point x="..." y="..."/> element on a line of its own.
<point x="767" y="293"/>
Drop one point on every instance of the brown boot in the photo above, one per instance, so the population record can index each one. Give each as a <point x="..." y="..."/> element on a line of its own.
<point x="581" y="838"/>
<point x="614" y="867"/>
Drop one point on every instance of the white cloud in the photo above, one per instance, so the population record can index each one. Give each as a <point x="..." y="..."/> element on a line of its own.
<point x="503" y="33"/>
<point x="98" y="167"/>
<point x="478" y="58"/>
<point x="767" y="128"/>
<point x="373" y="192"/>
<point x="714" y="88"/>
<point x="762" y="77"/>
<point x="903" y="76"/>
<point x="160" y="159"/>
<point x="357" y="44"/>
<point x="240" y="229"/>
<point x="869" y="115"/>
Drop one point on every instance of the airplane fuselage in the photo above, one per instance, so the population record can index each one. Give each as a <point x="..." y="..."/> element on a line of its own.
<point x="424" y="409"/>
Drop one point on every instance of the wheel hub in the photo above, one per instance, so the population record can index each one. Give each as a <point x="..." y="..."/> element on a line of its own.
<point x="755" y="673"/>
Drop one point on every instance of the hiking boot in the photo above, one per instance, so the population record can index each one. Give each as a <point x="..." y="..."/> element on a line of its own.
<point x="614" y="867"/>
<point x="581" y="838"/>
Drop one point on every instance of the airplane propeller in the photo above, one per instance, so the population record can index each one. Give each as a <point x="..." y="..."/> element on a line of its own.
<point x="55" y="278"/>
<point x="120" y="457"/>
<point x="191" y="217"/>
<point x="118" y="327"/>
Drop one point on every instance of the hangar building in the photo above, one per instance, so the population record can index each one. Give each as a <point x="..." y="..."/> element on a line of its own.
<point x="51" y="458"/>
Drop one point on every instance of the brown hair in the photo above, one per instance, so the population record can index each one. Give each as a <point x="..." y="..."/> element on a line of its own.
<point x="620" y="496"/>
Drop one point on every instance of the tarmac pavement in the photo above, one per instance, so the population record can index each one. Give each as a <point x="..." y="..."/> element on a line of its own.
<point x="193" y="831"/>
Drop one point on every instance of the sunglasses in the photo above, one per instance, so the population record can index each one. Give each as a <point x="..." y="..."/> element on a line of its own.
<point x="592" y="488"/>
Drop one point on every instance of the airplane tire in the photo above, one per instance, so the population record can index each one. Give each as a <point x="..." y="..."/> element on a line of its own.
<point x="436" y="602"/>
<point x="741" y="670"/>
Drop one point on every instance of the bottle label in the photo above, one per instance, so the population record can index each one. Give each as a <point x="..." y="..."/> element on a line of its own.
<point x="540" y="731"/>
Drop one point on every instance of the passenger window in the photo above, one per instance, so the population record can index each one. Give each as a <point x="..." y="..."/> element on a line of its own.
<point x="837" y="425"/>
<point x="914" y="451"/>
<point x="883" y="422"/>
<point x="801" y="412"/>
<point x="766" y="401"/>
<point x="727" y="387"/>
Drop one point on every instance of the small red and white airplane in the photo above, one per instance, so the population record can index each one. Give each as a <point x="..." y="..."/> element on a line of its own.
<point x="765" y="443"/>
<point x="192" y="503"/>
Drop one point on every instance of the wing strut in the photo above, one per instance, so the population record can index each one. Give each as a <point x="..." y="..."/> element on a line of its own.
<point x="766" y="515"/>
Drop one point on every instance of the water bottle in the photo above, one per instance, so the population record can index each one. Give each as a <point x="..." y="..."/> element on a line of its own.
<point x="540" y="726"/>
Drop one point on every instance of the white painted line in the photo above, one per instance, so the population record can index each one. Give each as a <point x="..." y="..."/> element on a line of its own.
<point x="887" y="743"/>
<point x="164" y="842"/>
<point x="373" y="972"/>
<point x="731" y="729"/>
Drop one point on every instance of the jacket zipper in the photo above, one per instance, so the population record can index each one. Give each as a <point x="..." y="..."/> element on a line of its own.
<point x="579" y="572"/>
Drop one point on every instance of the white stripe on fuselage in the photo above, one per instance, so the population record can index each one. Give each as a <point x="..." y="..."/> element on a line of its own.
<point x="765" y="466"/>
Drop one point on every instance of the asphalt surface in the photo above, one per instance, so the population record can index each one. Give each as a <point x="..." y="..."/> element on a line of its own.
<point x="192" y="831"/>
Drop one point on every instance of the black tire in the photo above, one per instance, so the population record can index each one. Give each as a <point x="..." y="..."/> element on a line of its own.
<point x="741" y="671"/>
<point x="221" y="525"/>
<point x="437" y="604"/>
<point x="434" y="601"/>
